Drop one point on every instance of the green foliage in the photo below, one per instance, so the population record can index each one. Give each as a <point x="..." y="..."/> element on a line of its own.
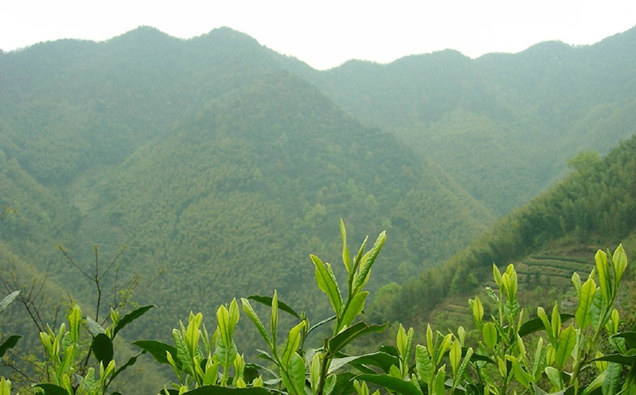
<point x="66" y="356"/>
<point x="584" y="162"/>
<point x="501" y="126"/>
<point x="5" y="386"/>
<point x="200" y="359"/>
<point x="346" y="311"/>
<point x="556" y="362"/>
<point x="537" y="355"/>
<point x="552" y="353"/>
<point x="594" y="207"/>
<point x="204" y="363"/>
<point x="11" y="341"/>
<point x="219" y="157"/>
<point x="70" y="360"/>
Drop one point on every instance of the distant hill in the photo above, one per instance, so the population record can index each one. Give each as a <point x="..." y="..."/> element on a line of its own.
<point x="548" y="239"/>
<point x="501" y="125"/>
<point x="217" y="153"/>
<point x="210" y="159"/>
<point x="222" y="165"/>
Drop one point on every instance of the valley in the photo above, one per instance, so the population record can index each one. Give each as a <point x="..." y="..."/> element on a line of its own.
<point x="220" y="165"/>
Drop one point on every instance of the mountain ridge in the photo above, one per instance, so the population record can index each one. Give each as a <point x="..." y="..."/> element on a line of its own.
<point x="215" y="155"/>
<point x="547" y="239"/>
<point x="213" y="158"/>
<point x="535" y="97"/>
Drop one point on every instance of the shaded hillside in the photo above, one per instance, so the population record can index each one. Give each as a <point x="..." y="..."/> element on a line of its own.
<point x="209" y="159"/>
<point x="225" y="164"/>
<point x="233" y="200"/>
<point x="37" y="216"/>
<point x="550" y="237"/>
<point x="69" y="105"/>
<point x="502" y="125"/>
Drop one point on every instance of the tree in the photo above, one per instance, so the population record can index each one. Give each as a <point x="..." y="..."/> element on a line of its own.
<point x="585" y="161"/>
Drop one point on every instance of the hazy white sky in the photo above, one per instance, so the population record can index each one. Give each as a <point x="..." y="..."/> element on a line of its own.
<point x="326" y="33"/>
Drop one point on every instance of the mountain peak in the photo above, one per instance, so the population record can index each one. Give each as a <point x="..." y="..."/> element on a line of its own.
<point x="226" y="35"/>
<point x="141" y="33"/>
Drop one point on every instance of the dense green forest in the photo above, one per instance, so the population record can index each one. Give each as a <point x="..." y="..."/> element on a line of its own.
<point x="502" y="125"/>
<point x="548" y="238"/>
<point x="213" y="156"/>
<point x="219" y="164"/>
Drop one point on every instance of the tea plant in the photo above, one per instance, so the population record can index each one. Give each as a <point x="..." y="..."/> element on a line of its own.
<point x="72" y="362"/>
<point x="566" y="359"/>
<point x="67" y="357"/>
<point x="202" y="369"/>
<point x="201" y="360"/>
<point x="557" y="353"/>
<point x="552" y="353"/>
<point x="324" y="361"/>
<point x="9" y="343"/>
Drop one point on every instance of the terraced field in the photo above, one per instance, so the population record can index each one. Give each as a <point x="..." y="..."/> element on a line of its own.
<point x="452" y="313"/>
<point x="551" y="270"/>
<point x="544" y="277"/>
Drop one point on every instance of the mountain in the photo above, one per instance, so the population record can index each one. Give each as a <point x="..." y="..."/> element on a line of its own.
<point x="221" y="165"/>
<point x="502" y="125"/>
<point x="215" y="165"/>
<point x="548" y="239"/>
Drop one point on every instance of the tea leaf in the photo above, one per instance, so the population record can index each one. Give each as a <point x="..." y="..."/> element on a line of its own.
<point x="354" y="308"/>
<point x="251" y="313"/>
<point x="158" y="350"/>
<point x="365" y="269"/>
<point x="423" y="364"/>
<point x="327" y="283"/>
<point x="10" y="342"/>
<point x="7" y="300"/>
<point x="604" y="279"/>
<point x="267" y="301"/>
<point x="391" y="383"/>
<point x="585" y="302"/>
<point x="130" y="317"/>
<point x="567" y="341"/>
<point x="102" y="347"/>
<point x="346" y="258"/>
<point x="351" y="333"/>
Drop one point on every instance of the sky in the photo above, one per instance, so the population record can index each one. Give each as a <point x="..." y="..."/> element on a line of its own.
<point x="327" y="33"/>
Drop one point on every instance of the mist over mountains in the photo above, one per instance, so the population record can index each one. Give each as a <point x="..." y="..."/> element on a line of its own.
<point x="500" y="125"/>
<point x="226" y="164"/>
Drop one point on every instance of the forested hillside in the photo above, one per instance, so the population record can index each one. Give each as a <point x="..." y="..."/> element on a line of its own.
<point x="502" y="125"/>
<point x="548" y="239"/>
<point x="221" y="164"/>
<point x="213" y="163"/>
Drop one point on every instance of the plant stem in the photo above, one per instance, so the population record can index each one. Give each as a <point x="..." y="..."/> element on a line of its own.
<point x="575" y="371"/>
<point x="324" y="366"/>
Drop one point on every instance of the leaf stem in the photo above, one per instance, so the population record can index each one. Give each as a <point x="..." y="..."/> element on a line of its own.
<point x="324" y="366"/>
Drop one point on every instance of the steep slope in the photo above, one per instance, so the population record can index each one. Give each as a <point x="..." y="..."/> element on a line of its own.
<point x="209" y="159"/>
<point x="216" y="160"/>
<point x="502" y="125"/>
<point x="234" y="200"/>
<point x="549" y="238"/>
<point x="139" y="136"/>
<point x="69" y="105"/>
<point x="37" y="214"/>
